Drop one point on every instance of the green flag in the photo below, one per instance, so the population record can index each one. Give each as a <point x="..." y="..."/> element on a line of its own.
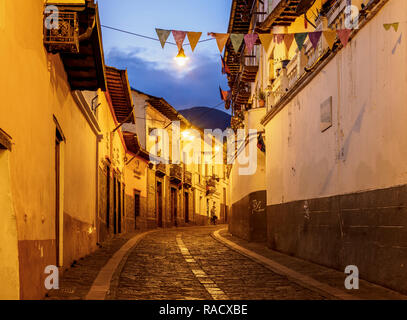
<point x="236" y="39"/>
<point x="300" y="39"/>
<point x="163" y="36"/>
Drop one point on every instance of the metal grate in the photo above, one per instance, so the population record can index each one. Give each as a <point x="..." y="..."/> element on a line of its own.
<point x="66" y="37"/>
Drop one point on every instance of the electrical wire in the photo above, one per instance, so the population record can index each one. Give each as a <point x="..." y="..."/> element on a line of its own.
<point x="149" y="38"/>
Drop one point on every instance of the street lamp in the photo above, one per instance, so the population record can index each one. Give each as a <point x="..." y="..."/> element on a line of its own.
<point x="186" y="135"/>
<point x="181" y="59"/>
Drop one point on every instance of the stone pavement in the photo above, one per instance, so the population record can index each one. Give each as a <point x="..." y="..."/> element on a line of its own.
<point x="189" y="263"/>
<point x="76" y="281"/>
<point x="157" y="269"/>
<point x="324" y="275"/>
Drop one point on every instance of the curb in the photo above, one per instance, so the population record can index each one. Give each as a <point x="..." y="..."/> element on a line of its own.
<point x="299" y="278"/>
<point x="100" y="287"/>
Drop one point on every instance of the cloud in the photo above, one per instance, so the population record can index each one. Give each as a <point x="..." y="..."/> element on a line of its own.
<point x="155" y="72"/>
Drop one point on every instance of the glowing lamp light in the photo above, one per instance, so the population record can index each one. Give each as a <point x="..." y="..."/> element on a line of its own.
<point x="217" y="148"/>
<point x="186" y="135"/>
<point x="181" y="59"/>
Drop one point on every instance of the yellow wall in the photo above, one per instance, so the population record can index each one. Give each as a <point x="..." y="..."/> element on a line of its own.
<point x="9" y="276"/>
<point x="34" y="90"/>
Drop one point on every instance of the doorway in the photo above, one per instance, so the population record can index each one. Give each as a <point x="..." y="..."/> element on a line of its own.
<point x="119" y="210"/>
<point x="186" y="206"/>
<point x="58" y="141"/>
<point x="225" y="214"/>
<point x="114" y="204"/>
<point x="159" y="204"/>
<point x="107" y="197"/>
<point x="136" y="207"/>
<point x="173" y="200"/>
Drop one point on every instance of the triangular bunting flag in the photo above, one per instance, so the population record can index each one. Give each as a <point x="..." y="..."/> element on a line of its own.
<point x="387" y="26"/>
<point x="179" y="37"/>
<point x="314" y="38"/>
<point x="300" y="39"/>
<point x="343" y="35"/>
<point x="193" y="38"/>
<point x="223" y="94"/>
<point x="236" y="39"/>
<point x="330" y="37"/>
<point x="288" y="40"/>
<point x="163" y="36"/>
<point x="221" y="39"/>
<point x="250" y="40"/>
<point x="225" y="68"/>
<point x="266" y="40"/>
<point x="395" y="26"/>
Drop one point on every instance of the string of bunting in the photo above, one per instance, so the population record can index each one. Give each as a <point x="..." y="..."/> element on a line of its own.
<point x="266" y="40"/>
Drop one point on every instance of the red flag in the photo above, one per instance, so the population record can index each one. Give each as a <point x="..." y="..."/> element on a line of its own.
<point x="344" y="35"/>
<point x="250" y="40"/>
<point x="225" y="68"/>
<point x="224" y="95"/>
<point x="179" y="37"/>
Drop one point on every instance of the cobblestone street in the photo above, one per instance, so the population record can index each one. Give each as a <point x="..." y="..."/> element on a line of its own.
<point x="159" y="269"/>
<point x="201" y="263"/>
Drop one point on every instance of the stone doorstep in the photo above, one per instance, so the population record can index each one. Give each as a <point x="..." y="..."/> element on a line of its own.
<point x="307" y="274"/>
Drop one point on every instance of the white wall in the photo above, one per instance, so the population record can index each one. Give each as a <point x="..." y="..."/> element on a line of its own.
<point x="242" y="185"/>
<point x="366" y="148"/>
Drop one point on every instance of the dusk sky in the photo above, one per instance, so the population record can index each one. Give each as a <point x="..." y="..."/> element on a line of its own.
<point x="152" y="69"/>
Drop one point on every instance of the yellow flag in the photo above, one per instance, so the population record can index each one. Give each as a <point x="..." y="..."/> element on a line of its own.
<point x="330" y="37"/>
<point x="193" y="38"/>
<point x="266" y="40"/>
<point x="221" y="39"/>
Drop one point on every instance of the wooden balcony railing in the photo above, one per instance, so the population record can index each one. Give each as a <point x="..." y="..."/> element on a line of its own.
<point x="160" y="169"/>
<point x="175" y="173"/>
<point x="187" y="178"/>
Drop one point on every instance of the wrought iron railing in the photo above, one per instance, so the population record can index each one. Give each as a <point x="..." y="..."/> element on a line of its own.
<point x="64" y="38"/>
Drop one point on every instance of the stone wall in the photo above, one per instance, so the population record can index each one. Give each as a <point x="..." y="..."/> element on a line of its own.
<point x="248" y="219"/>
<point x="366" y="229"/>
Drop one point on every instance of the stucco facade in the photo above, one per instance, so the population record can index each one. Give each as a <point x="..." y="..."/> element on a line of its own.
<point x="44" y="121"/>
<point x="337" y="197"/>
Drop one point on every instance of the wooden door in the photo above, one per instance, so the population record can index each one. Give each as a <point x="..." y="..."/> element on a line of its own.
<point x="159" y="204"/>
<point x="186" y="207"/>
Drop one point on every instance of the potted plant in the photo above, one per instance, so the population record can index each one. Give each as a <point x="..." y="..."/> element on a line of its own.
<point x="261" y="96"/>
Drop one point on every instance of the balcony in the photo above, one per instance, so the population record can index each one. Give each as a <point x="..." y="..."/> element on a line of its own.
<point x="175" y="173"/>
<point x="210" y="185"/>
<point x="187" y="179"/>
<point x="66" y="37"/>
<point x="211" y="182"/>
<point x="250" y="68"/>
<point x="77" y="38"/>
<point x="160" y="169"/>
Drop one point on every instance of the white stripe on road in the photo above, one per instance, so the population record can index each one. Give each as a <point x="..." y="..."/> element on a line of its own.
<point x="208" y="284"/>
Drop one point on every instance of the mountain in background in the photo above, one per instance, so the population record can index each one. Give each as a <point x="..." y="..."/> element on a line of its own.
<point x="207" y="118"/>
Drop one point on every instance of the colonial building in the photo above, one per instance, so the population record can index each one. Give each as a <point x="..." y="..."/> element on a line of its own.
<point x="72" y="172"/>
<point x="248" y="189"/>
<point x="49" y="141"/>
<point x="180" y="193"/>
<point x="335" y="134"/>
